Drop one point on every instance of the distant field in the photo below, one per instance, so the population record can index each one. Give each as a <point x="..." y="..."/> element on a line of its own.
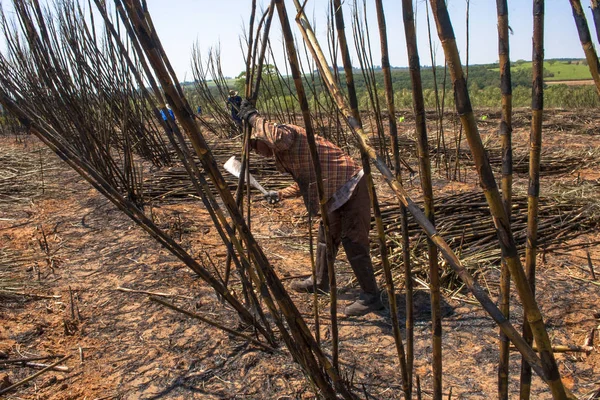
<point x="585" y="82"/>
<point x="211" y="84"/>
<point x="561" y="70"/>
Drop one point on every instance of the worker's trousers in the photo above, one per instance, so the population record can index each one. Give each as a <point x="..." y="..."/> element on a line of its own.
<point x="350" y="225"/>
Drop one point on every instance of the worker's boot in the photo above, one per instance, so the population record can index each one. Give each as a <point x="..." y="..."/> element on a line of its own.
<point x="307" y="285"/>
<point x="366" y="303"/>
<point x="360" y="261"/>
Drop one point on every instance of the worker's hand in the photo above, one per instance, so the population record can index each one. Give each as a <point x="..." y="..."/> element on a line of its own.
<point x="272" y="197"/>
<point x="246" y="110"/>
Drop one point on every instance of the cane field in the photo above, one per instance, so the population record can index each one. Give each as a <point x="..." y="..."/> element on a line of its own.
<point x="133" y="265"/>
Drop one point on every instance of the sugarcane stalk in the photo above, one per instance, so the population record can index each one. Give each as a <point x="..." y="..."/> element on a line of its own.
<point x="571" y="348"/>
<point x="197" y="178"/>
<point x="586" y="41"/>
<point x="408" y="355"/>
<point x="438" y="107"/>
<point x="353" y="99"/>
<point x="252" y="91"/>
<point x="479" y="293"/>
<point x="425" y="172"/>
<point x="87" y="172"/>
<point x="290" y="48"/>
<point x="265" y="44"/>
<point x="306" y="351"/>
<point x="487" y="180"/>
<point x="533" y="193"/>
<point x="362" y="44"/>
<point x="244" y="172"/>
<point x="310" y="136"/>
<point x="505" y="131"/>
<point x="596" y="15"/>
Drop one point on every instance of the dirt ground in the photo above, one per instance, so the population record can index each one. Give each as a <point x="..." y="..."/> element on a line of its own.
<point x="65" y="251"/>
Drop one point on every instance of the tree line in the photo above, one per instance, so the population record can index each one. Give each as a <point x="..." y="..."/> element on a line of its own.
<point x="483" y="82"/>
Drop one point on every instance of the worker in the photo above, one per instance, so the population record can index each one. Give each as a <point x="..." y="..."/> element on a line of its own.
<point x="345" y="192"/>
<point x="234" y="102"/>
<point x="171" y="115"/>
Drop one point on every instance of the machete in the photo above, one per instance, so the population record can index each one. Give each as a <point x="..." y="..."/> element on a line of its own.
<point x="234" y="167"/>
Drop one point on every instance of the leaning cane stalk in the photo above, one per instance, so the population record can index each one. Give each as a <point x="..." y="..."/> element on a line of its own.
<point x="586" y="41"/>
<point x="252" y="91"/>
<point x="239" y="193"/>
<point x="198" y="180"/>
<point x="425" y="171"/>
<point x="294" y="65"/>
<point x="305" y="349"/>
<point x="362" y="139"/>
<point x="488" y="182"/>
<point x="506" y="135"/>
<point x="310" y="136"/>
<point x="596" y="15"/>
<point x="49" y="138"/>
<point x="205" y="193"/>
<point x="171" y="128"/>
<point x="535" y="151"/>
<point x="339" y="22"/>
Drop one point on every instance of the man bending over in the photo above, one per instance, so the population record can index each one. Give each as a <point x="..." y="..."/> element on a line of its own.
<point x="348" y="204"/>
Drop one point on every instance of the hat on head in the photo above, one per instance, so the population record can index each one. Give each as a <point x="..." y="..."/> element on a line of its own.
<point x="233" y="93"/>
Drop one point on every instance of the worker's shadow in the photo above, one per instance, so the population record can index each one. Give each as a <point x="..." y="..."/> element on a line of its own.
<point x="421" y="306"/>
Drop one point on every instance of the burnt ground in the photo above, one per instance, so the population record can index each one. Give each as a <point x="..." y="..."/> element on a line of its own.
<point x="62" y="298"/>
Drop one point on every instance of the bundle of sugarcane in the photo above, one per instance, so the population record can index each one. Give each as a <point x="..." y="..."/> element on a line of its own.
<point x="174" y="182"/>
<point x="551" y="164"/>
<point x="556" y="163"/>
<point x="464" y="220"/>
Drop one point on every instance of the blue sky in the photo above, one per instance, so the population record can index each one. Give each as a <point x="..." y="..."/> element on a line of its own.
<point x="181" y="23"/>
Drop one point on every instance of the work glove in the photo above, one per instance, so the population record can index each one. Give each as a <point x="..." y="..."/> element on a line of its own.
<point x="272" y="197"/>
<point x="246" y="110"/>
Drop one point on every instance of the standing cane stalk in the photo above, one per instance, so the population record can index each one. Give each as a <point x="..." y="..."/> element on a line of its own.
<point x="389" y="92"/>
<point x="535" y="151"/>
<point x="479" y="293"/>
<point x="506" y="135"/>
<point x="425" y="172"/>
<point x="439" y="106"/>
<point x="488" y="182"/>
<point x="340" y="27"/>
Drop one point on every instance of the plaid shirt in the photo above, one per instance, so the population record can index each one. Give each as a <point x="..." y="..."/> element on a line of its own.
<point x="292" y="155"/>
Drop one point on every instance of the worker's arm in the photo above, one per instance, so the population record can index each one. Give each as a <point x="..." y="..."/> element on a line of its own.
<point x="290" y="191"/>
